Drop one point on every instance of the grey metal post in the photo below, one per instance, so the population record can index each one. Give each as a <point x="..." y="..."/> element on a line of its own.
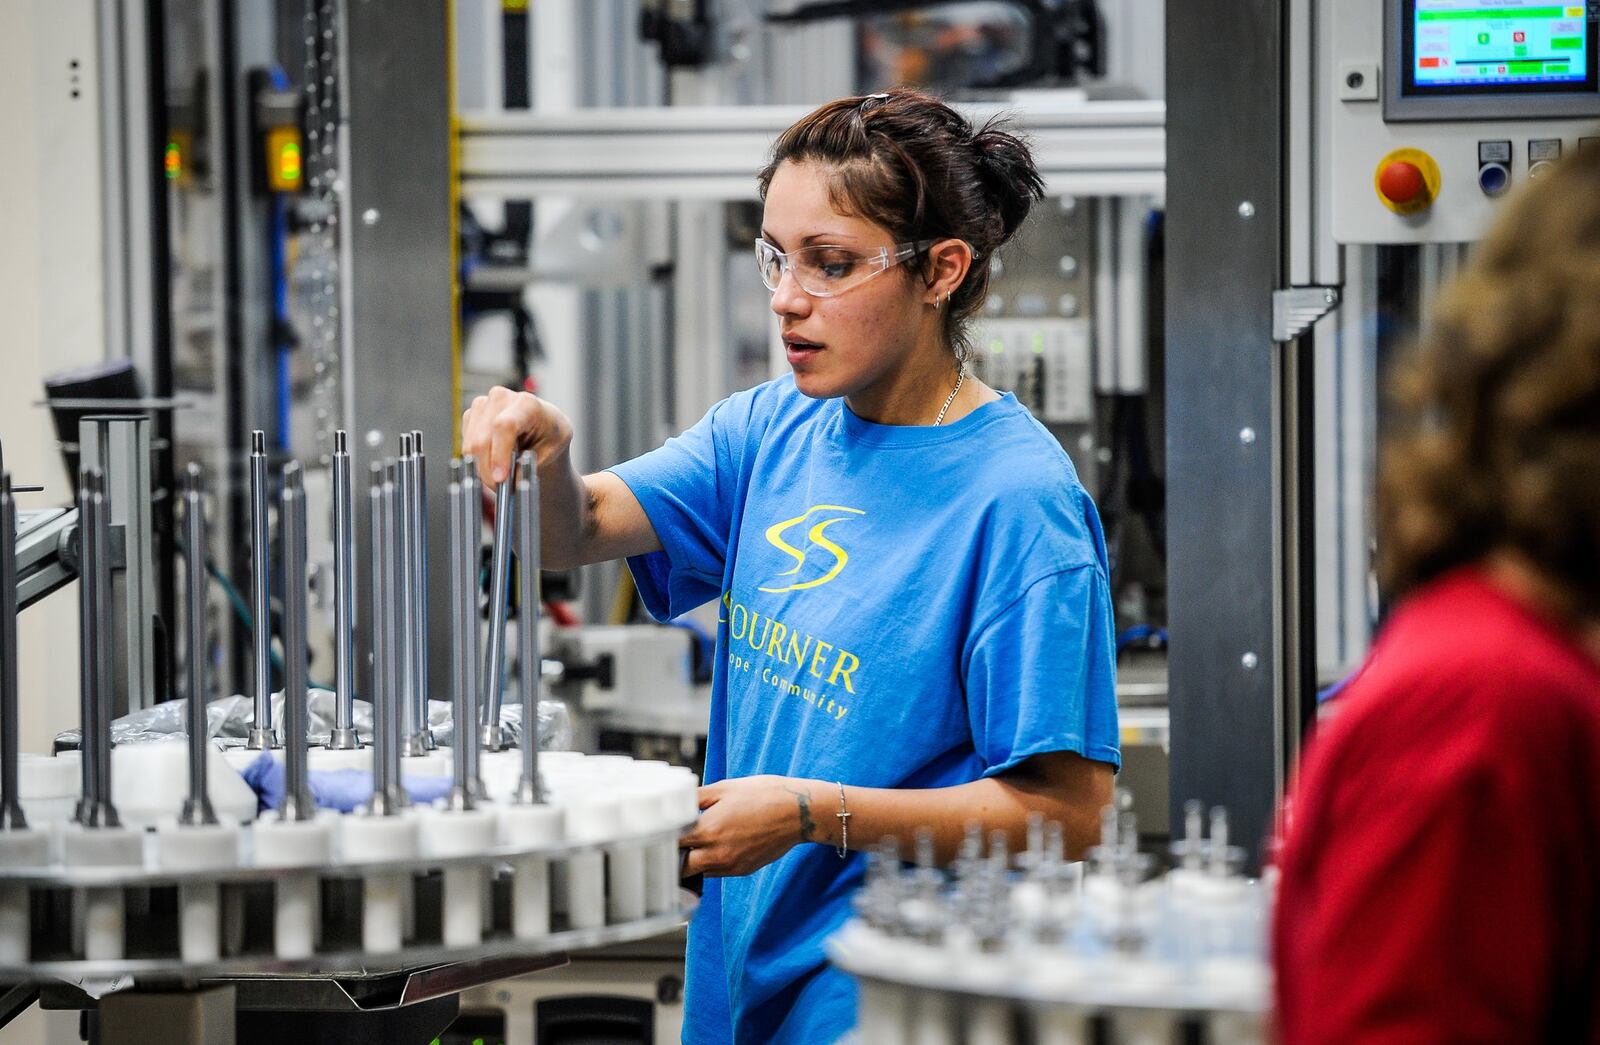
<point x="388" y="796"/>
<point x="468" y="552"/>
<point x="197" y="807"/>
<point x="396" y="369"/>
<point x="90" y="787"/>
<point x="11" y="816"/>
<point x="297" y="801"/>
<point x="379" y="692"/>
<point x="95" y="808"/>
<point x="499" y="583"/>
<point x="261" y="734"/>
<point x="421" y="733"/>
<point x="405" y="594"/>
<point x="529" y="675"/>
<point x="343" y="735"/>
<point x="1227" y="664"/>
<point x="463" y="702"/>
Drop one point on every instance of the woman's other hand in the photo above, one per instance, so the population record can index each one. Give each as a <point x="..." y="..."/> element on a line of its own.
<point x="747" y="823"/>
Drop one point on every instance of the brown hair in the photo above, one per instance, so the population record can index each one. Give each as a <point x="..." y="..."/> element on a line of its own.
<point x="1500" y="446"/>
<point x="909" y="162"/>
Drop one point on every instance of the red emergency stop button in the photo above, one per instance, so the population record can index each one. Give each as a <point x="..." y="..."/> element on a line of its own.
<point x="1401" y="182"/>
<point x="1407" y="181"/>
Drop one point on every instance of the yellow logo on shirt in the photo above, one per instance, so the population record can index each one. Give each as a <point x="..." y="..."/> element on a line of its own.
<point x="816" y="537"/>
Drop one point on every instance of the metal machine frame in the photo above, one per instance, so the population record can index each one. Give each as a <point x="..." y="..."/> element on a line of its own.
<point x="1239" y="593"/>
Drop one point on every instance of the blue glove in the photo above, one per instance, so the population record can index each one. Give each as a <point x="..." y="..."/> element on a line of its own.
<point x="345" y="790"/>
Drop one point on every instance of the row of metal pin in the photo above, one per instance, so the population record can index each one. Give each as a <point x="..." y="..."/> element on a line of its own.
<point x="397" y="498"/>
<point x="397" y="501"/>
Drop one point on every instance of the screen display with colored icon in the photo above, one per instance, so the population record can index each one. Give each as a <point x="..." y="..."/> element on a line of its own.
<point x="1465" y="42"/>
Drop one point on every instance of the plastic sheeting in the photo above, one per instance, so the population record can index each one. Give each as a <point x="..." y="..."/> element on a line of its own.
<point x="228" y="720"/>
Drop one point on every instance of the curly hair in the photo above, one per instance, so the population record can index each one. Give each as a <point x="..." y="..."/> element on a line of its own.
<point x="910" y="163"/>
<point x="1499" y="442"/>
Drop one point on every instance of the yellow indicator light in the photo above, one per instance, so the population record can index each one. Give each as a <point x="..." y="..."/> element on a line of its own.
<point x="173" y="161"/>
<point x="1038" y="344"/>
<point x="285" y="168"/>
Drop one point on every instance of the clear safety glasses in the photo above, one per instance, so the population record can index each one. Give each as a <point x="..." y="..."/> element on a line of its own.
<point x="825" y="271"/>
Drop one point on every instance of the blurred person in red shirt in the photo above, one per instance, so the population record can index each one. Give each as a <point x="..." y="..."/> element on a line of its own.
<point x="1441" y="860"/>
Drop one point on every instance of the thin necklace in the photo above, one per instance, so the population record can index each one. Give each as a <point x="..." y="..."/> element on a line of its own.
<point x="953" y="392"/>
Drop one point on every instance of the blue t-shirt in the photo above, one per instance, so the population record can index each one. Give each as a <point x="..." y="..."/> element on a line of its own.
<point x="901" y="607"/>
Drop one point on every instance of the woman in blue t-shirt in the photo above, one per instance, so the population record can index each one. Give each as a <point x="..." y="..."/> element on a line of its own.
<point x="915" y="625"/>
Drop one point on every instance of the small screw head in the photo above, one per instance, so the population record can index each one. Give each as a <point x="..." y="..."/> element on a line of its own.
<point x="1247" y="436"/>
<point x="369" y="216"/>
<point x="373" y="438"/>
<point x="1247" y="210"/>
<point x="1354" y="81"/>
<point x="1250" y="661"/>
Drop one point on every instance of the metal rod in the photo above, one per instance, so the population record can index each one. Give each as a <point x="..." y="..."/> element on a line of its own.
<point x="419" y="586"/>
<point x="90" y="788"/>
<point x="499" y="583"/>
<point x="463" y="795"/>
<point x="343" y="735"/>
<point x="529" y="659"/>
<point x="197" y="807"/>
<point x="469" y="550"/>
<point x="405" y="491"/>
<point x="378" y="692"/>
<point x="95" y="809"/>
<point x="388" y="797"/>
<point x="379" y="587"/>
<point x="11" y="815"/>
<point x="261" y="734"/>
<point x="297" y="801"/>
<point x="104" y="647"/>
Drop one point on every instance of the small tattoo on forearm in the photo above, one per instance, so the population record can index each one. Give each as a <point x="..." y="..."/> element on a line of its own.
<point x="808" y="826"/>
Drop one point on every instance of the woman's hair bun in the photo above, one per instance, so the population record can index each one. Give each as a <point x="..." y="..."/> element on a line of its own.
<point x="1008" y="171"/>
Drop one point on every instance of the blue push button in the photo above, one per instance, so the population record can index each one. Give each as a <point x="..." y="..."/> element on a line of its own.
<point x="1494" y="179"/>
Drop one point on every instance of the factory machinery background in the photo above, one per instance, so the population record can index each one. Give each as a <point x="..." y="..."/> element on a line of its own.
<point x="310" y="231"/>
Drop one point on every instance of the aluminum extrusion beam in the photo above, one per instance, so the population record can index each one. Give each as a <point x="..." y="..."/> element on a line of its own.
<point x="1225" y="437"/>
<point x="1090" y="148"/>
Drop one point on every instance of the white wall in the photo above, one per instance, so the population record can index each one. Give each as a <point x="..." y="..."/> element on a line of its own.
<point x="50" y="293"/>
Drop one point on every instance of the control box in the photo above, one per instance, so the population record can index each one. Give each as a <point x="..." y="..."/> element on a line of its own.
<point x="1045" y="362"/>
<point x="1035" y="337"/>
<point x="1439" y="108"/>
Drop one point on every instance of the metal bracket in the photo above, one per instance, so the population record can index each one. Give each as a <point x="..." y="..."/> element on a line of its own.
<point x="1297" y="309"/>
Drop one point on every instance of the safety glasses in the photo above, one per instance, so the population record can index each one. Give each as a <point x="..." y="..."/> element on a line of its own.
<point x="826" y="271"/>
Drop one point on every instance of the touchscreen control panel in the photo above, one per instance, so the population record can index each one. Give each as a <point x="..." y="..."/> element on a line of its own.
<point x="1440" y="108"/>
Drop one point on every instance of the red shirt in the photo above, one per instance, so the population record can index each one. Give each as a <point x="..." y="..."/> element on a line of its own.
<point x="1441" y="867"/>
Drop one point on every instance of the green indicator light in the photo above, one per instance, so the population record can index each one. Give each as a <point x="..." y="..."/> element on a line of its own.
<point x="172" y="162"/>
<point x="289" y="161"/>
<point x="997" y="346"/>
<point x="1521" y="50"/>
